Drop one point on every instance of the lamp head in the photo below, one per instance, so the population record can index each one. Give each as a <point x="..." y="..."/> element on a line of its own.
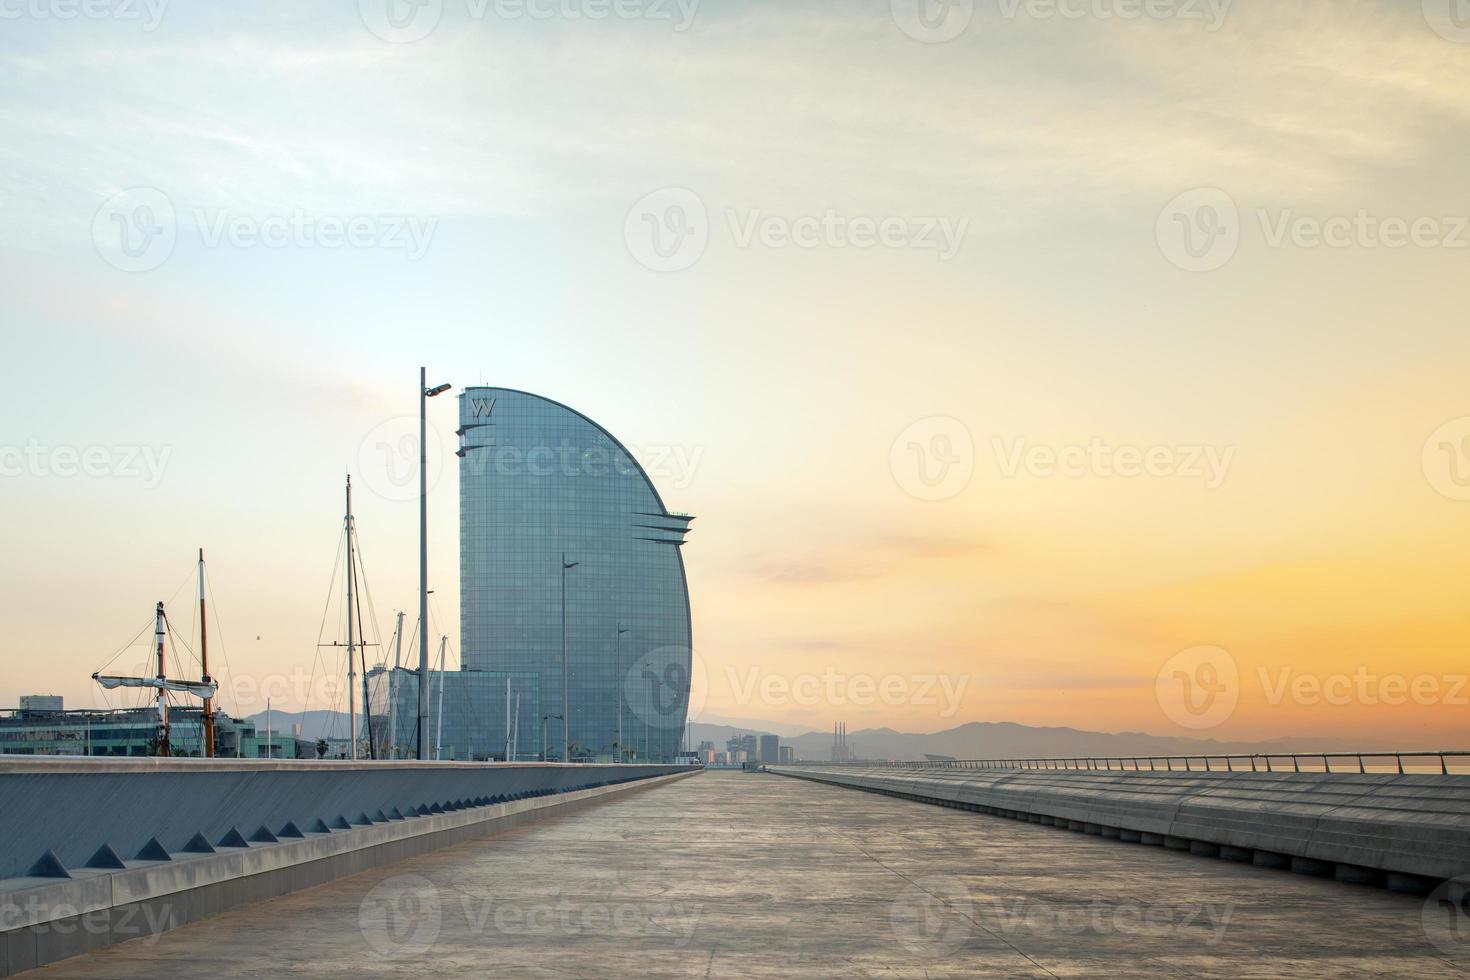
<point x="436" y="390"/>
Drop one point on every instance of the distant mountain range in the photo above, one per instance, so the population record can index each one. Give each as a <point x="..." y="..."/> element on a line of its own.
<point x="975" y="740"/>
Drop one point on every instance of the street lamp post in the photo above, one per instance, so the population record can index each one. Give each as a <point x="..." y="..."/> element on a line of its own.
<point x="565" y="701"/>
<point x="622" y="685"/>
<point x="425" y="393"/>
<point x="543" y="734"/>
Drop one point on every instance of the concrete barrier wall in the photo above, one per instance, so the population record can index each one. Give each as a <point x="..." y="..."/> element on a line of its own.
<point x="71" y="807"/>
<point x="46" y="919"/>
<point x="1354" y="825"/>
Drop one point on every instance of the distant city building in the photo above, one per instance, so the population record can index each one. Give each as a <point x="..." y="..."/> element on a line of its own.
<point x="739" y="744"/>
<point x="841" y="751"/>
<point x="788" y="754"/>
<point x="722" y="758"/>
<point x="770" y="749"/>
<point x="539" y="483"/>
<point x="41" y="726"/>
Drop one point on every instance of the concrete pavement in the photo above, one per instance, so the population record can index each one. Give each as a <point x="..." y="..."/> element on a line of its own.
<point x="728" y="874"/>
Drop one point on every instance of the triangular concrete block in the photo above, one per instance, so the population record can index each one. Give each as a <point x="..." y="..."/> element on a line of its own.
<point x="152" y="851"/>
<point x="233" y="839"/>
<point x="320" y="827"/>
<point x="341" y="823"/>
<point x="105" y="857"/>
<point x="198" y="845"/>
<point x="264" y="836"/>
<point x="48" y="865"/>
<point x="290" y="830"/>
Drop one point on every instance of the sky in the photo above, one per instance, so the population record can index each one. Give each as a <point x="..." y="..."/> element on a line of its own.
<point x="1086" y="363"/>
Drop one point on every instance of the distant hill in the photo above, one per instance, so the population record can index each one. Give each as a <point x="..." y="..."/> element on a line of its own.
<point x="314" y="724"/>
<point x="975" y="740"/>
<point x="1007" y="740"/>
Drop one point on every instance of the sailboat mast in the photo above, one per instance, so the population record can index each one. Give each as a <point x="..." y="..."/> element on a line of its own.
<point x="204" y="665"/>
<point x="392" y="704"/>
<point x="439" y="731"/>
<point x="158" y="632"/>
<point x="351" y="638"/>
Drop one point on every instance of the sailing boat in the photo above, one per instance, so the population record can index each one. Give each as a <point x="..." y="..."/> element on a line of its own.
<point x="356" y="638"/>
<point x="204" y="688"/>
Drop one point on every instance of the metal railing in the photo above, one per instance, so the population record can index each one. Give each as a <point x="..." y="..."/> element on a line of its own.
<point x="1260" y="762"/>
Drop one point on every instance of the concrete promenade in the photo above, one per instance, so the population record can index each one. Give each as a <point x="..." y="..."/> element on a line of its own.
<point x="728" y="874"/>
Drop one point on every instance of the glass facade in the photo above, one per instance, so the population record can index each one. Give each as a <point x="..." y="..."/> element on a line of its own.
<point x="539" y="483"/>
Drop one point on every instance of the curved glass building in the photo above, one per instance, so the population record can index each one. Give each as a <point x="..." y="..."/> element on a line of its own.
<point x="549" y="496"/>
